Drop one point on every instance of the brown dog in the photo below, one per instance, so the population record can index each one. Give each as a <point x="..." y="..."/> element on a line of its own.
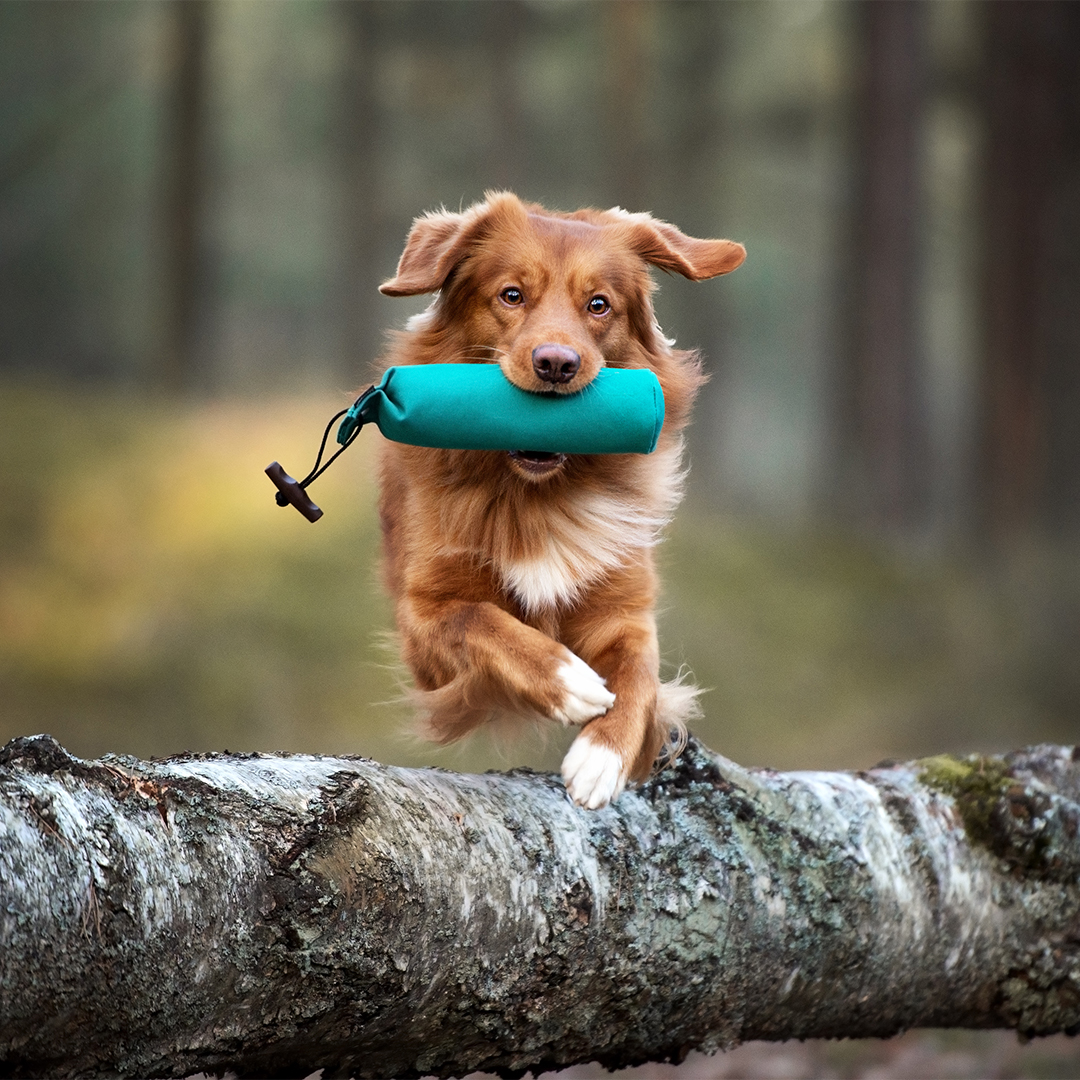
<point x="524" y="582"/>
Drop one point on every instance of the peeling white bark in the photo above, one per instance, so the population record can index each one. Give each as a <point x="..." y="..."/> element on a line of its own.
<point x="275" y="915"/>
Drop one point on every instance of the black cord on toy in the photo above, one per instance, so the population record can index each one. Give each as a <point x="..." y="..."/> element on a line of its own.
<point x="294" y="492"/>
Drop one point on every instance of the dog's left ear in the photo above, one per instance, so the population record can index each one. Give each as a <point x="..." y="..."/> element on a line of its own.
<point x="663" y="245"/>
<point x="436" y="243"/>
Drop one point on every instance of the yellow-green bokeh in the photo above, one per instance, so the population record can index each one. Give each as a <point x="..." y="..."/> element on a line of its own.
<point x="153" y="598"/>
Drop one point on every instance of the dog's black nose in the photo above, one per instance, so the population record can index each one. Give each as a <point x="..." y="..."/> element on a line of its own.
<point x="555" y="363"/>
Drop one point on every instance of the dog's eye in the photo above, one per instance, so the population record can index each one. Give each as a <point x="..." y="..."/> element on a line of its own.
<point x="512" y="297"/>
<point x="598" y="305"/>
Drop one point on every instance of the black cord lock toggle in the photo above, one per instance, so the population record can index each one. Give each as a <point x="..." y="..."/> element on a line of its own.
<point x="294" y="492"/>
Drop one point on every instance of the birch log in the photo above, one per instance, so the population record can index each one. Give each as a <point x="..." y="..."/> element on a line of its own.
<point x="274" y="915"/>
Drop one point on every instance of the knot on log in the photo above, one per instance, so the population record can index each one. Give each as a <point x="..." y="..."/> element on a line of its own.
<point x="40" y="754"/>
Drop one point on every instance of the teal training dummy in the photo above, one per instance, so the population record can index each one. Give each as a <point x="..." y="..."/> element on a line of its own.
<point x="475" y="407"/>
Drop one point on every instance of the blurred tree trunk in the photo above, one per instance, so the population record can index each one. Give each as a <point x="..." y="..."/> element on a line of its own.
<point x="274" y="915"/>
<point x="1030" y="476"/>
<point x="882" y="426"/>
<point x="361" y="211"/>
<point x="185" y="191"/>
<point x="688" y="163"/>
<point x="692" y="132"/>
<point x="505" y="27"/>
<point x="687" y="160"/>
<point x="625" y="31"/>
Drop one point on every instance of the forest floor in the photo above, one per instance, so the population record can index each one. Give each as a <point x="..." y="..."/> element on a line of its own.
<point x="916" y="1055"/>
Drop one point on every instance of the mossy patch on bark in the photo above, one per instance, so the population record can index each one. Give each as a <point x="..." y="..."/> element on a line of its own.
<point x="976" y="784"/>
<point x="1017" y="819"/>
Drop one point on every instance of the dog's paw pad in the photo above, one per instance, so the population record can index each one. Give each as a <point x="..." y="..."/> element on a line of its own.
<point x="594" y="775"/>
<point x="586" y="696"/>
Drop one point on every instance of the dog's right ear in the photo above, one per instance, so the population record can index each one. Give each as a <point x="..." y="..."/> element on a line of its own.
<point x="435" y="245"/>
<point x="665" y="246"/>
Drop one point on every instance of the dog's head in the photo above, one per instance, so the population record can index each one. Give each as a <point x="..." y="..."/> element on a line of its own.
<point x="551" y="297"/>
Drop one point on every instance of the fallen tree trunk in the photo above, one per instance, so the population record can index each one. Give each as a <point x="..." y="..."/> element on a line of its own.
<point x="278" y="914"/>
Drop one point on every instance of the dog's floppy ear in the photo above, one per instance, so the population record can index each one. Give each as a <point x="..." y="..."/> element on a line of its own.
<point x="439" y="241"/>
<point x="663" y="245"/>
<point x="436" y="243"/>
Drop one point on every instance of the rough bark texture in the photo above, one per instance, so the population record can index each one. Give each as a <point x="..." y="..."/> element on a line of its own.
<point x="278" y="914"/>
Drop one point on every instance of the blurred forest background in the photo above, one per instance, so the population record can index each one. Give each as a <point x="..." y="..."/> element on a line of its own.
<point x="879" y="553"/>
<point x="198" y="200"/>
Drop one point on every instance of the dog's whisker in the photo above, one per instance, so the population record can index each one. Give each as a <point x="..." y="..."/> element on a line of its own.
<point x="492" y="355"/>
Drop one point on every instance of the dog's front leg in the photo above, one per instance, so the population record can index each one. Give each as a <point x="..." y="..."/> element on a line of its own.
<point x="622" y="744"/>
<point x="472" y="659"/>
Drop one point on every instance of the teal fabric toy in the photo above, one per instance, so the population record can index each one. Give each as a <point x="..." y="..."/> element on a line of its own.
<point x="475" y="407"/>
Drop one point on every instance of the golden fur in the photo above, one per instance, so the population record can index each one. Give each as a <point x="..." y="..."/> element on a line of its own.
<point x="511" y="574"/>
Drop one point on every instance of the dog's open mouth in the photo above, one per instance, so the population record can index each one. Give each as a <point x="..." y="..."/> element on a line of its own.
<point x="536" y="462"/>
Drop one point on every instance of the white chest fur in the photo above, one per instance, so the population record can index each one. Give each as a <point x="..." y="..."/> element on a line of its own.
<point x="593" y="535"/>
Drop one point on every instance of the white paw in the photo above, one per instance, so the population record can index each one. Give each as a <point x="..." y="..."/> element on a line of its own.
<point x="586" y="695"/>
<point x="594" y="775"/>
